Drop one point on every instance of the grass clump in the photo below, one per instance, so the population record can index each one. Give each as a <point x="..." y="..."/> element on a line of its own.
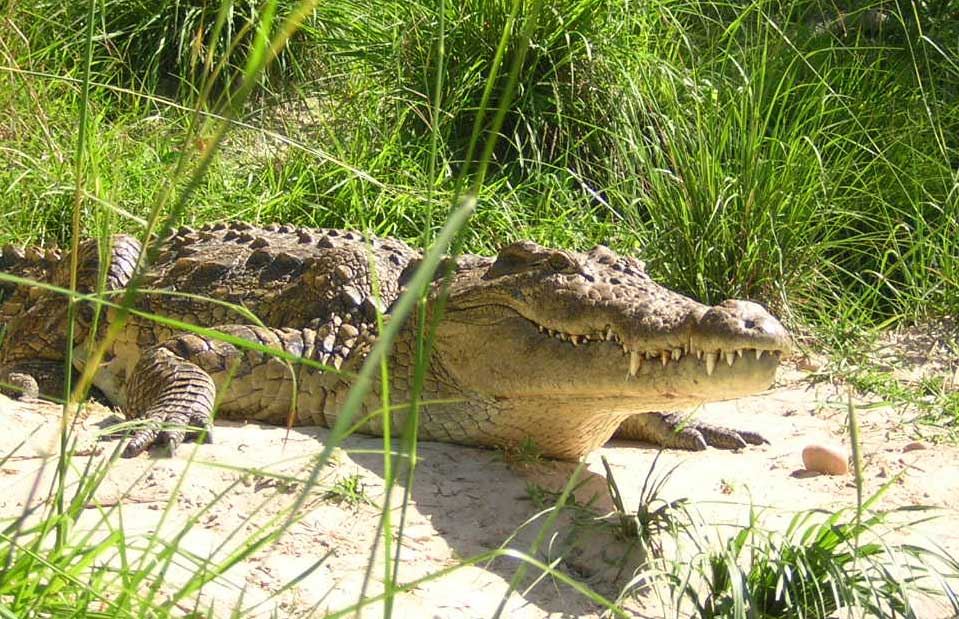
<point x="349" y="490"/>
<point x="822" y="562"/>
<point x="812" y="570"/>
<point x="931" y="401"/>
<point x="168" y="47"/>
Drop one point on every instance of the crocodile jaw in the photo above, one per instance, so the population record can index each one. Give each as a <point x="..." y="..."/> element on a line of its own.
<point x="517" y="381"/>
<point x="498" y="352"/>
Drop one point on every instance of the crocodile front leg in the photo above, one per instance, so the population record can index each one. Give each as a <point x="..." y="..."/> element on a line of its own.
<point x="34" y="321"/>
<point x="172" y="395"/>
<point x="680" y="431"/>
<point x="174" y="385"/>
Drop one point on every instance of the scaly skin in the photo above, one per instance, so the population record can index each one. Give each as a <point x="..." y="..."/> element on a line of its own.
<point x="561" y="347"/>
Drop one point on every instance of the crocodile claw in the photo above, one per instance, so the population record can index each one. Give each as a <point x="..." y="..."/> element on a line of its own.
<point x="680" y="431"/>
<point x="169" y="433"/>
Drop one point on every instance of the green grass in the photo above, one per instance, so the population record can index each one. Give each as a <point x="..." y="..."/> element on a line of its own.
<point x="761" y="149"/>
<point x="929" y="405"/>
<point x="349" y="490"/>
<point x="821" y="562"/>
<point x="740" y="152"/>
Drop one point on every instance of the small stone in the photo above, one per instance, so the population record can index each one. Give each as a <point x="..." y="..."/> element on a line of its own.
<point x="827" y="459"/>
<point x="914" y="446"/>
<point x="328" y="343"/>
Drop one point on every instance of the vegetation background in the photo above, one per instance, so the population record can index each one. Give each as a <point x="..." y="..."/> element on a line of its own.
<point x="804" y="153"/>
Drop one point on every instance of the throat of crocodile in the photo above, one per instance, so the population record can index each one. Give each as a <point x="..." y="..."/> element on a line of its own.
<point x="567" y="428"/>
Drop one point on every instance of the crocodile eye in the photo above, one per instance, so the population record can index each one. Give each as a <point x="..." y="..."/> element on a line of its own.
<point x="560" y="261"/>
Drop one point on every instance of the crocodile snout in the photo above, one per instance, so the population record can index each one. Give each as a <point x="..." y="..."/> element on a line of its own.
<point x="737" y="324"/>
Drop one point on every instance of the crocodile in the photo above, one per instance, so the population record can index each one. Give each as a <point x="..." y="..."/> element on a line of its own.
<point x="561" y="348"/>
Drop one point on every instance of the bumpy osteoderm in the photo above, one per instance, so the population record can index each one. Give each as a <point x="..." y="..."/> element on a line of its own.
<point x="558" y="347"/>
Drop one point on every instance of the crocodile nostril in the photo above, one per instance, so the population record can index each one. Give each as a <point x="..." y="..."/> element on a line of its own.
<point x="749" y="323"/>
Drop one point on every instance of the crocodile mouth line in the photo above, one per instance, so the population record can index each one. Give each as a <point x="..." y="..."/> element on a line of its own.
<point x="665" y="356"/>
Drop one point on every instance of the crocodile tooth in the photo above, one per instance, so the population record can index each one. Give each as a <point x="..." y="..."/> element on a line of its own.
<point x="759" y="353"/>
<point x="739" y="353"/>
<point x="609" y="333"/>
<point x="625" y="350"/>
<point x="699" y="355"/>
<point x="711" y="358"/>
<point x="664" y="356"/>
<point x="562" y="336"/>
<point x="551" y="332"/>
<point x="635" y="362"/>
<point x="677" y="354"/>
<point x="541" y="328"/>
<point x="574" y="339"/>
<point x="651" y="355"/>
<point x="730" y="357"/>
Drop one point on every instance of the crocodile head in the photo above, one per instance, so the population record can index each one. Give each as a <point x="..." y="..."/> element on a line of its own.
<point x="569" y="344"/>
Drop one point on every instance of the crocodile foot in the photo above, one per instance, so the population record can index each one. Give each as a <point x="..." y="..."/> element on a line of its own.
<point x="173" y="398"/>
<point x="22" y="386"/>
<point x="680" y="431"/>
<point x="170" y="431"/>
<point x="28" y="380"/>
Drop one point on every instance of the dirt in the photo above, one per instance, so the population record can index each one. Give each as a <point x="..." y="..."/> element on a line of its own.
<point x="465" y="501"/>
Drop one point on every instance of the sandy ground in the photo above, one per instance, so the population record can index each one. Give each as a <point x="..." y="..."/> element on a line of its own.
<point x="468" y="501"/>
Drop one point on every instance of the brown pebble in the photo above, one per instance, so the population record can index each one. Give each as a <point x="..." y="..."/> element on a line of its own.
<point x="914" y="446"/>
<point x="825" y="459"/>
